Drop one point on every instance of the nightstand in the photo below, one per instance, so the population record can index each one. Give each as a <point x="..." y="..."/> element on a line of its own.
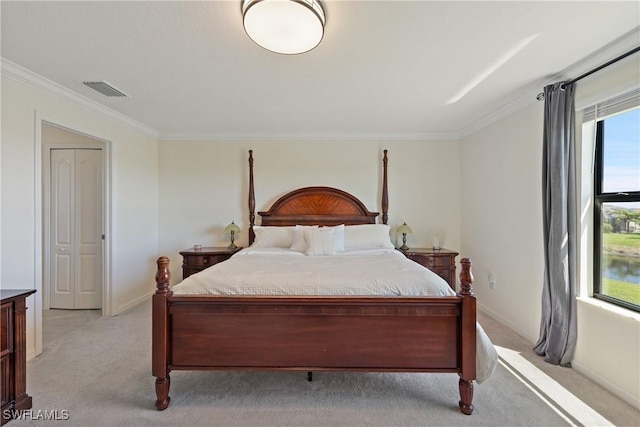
<point x="440" y="261"/>
<point x="194" y="260"/>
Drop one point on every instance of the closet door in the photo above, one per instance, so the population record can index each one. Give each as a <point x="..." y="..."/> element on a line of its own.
<point x="76" y="228"/>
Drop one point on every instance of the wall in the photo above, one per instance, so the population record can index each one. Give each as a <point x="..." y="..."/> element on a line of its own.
<point x="204" y="186"/>
<point x="133" y="202"/>
<point x="502" y="217"/>
<point x="502" y="233"/>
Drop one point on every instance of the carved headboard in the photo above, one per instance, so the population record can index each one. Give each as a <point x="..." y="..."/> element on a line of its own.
<point x="316" y="206"/>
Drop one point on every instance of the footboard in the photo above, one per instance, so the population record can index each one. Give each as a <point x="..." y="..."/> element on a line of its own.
<point x="314" y="333"/>
<point x="435" y="334"/>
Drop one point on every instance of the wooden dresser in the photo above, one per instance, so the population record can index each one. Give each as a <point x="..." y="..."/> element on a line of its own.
<point x="14" y="353"/>
<point x="194" y="260"/>
<point x="440" y="261"/>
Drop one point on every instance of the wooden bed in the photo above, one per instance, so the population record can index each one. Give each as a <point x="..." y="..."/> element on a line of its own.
<point x="390" y="334"/>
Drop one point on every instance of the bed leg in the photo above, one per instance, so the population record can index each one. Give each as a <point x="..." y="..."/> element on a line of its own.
<point x="162" y="392"/>
<point x="309" y="376"/>
<point x="466" y="396"/>
<point x="160" y="334"/>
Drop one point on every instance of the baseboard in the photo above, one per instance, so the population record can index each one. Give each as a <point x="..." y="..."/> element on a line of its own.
<point x="135" y="302"/>
<point x="31" y="353"/>
<point x="506" y="323"/>
<point x="606" y="384"/>
<point x="583" y="370"/>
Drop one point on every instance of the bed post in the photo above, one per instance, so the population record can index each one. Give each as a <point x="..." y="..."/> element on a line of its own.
<point x="160" y="345"/>
<point x="385" y="193"/>
<point x="252" y="200"/>
<point x="468" y="328"/>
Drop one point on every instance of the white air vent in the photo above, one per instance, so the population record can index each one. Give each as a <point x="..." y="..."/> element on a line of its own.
<point x="105" y="88"/>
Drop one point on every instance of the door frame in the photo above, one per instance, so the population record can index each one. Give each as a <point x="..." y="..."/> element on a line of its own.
<point x="42" y="220"/>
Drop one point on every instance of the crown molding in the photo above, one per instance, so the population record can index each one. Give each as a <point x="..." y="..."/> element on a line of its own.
<point x="528" y="95"/>
<point x="27" y="77"/>
<point x="316" y="137"/>
<point x="519" y="101"/>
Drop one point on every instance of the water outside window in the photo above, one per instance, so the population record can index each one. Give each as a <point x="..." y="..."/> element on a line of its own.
<point x="620" y="255"/>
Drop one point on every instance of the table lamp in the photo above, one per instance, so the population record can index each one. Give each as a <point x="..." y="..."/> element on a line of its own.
<point x="404" y="229"/>
<point x="232" y="229"/>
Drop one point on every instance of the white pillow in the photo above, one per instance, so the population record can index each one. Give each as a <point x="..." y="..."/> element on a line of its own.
<point x="367" y="235"/>
<point x="338" y="235"/>
<point x="272" y="237"/>
<point x="299" y="244"/>
<point x="320" y="241"/>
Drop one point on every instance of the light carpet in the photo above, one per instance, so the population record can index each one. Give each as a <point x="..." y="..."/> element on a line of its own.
<point x="101" y="374"/>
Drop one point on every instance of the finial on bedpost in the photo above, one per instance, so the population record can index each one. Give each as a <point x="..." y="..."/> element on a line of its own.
<point x="466" y="277"/>
<point x="163" y="276"/>
<point x="252" y="200"/>
<point x="385" y="193"/>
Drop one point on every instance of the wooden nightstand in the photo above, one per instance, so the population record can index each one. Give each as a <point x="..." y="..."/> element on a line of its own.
<point x="194" y="260"/>
<point x="440" y="261"/>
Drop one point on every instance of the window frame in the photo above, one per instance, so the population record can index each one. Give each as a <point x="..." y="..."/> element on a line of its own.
<point x="599" y="199"/>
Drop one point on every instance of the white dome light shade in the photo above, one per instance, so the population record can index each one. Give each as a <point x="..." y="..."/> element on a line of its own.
<point x="284" y="26"/>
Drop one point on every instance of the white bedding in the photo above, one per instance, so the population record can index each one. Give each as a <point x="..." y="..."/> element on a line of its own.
<point x="362" y="272"/>
<point x="275" y="271"/>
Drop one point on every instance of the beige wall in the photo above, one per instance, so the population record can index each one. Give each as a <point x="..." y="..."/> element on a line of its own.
<point x="133" y="203"/>
<point x="502" y="217"/>
<point x="502" y="233"/>
<point x="204" y="185"/>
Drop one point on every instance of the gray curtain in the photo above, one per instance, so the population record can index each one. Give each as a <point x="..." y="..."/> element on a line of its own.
<point x="558" y="324"/>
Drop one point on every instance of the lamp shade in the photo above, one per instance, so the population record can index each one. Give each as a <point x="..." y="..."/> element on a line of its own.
<point x="231" y="227"/>
<point x="404" y="229"/>
<point x="284" y="26"/>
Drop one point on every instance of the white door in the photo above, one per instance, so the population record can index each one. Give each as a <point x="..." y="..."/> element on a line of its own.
<point x="76" y="228"/>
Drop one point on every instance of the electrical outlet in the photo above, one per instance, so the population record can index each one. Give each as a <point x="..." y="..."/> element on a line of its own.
<point x="492" y="281"/>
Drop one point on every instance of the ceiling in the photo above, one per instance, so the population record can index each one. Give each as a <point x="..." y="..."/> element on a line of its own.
<point x="384" y="70"/>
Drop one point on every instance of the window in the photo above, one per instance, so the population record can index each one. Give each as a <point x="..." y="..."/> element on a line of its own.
<point x="617" y="209"/>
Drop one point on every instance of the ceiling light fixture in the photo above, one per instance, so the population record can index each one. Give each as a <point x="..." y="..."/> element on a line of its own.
<point x="284" y="26"/>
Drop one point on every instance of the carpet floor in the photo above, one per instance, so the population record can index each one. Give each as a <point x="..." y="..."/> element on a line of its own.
<point x="99" y="374"/>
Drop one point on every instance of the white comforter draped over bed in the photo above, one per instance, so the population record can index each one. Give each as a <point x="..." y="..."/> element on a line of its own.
<point x="273" y="271"/>
<point x="361" y="272"/>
